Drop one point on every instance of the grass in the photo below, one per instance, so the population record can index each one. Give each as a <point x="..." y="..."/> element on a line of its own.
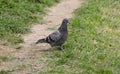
<point x="5" y="58"/>
<point x="93" y="44"/>
<point x="4" y="72"/>
<point x="16" y="16"/>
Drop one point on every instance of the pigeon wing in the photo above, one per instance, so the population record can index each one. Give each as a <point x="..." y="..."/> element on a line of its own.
<point x="55" y="36"/>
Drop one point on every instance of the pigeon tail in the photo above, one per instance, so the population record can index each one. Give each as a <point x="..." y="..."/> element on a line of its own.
<point x="41" y="41"/>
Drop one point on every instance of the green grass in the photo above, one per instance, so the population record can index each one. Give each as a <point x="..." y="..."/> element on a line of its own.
<point x="4" y="72"/>
<point x="93" y="46"/>
<point x="5" y="58"/>
<point x="16" y="16"/>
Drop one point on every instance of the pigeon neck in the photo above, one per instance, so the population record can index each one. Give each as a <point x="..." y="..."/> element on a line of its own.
<point x="63" y="27"/>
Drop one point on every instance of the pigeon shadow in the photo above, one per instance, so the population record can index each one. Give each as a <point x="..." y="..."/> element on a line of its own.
<point x="48" y="50"/>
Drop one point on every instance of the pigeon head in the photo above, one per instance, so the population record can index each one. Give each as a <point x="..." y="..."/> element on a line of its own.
<point x="63" y="26"/>
<point x="65" y="21"/>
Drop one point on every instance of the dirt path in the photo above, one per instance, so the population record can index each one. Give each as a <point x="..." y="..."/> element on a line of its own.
<point x="28" y="58"/>
<point x="53" y="19"/>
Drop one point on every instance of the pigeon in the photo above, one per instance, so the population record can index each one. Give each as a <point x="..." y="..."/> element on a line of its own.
<point x="58" y="37"/>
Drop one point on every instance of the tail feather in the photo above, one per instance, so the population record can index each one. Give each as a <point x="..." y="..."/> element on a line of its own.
<point x="41" y="41"/>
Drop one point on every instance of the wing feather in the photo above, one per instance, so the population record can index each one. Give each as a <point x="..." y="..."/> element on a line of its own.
<point x="55" y="36"/>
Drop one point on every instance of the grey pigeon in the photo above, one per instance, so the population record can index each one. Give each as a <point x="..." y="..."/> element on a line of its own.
<point x="58" y="37"/>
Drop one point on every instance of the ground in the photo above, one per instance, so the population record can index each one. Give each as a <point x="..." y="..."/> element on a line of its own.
<point x="27" y="59"/>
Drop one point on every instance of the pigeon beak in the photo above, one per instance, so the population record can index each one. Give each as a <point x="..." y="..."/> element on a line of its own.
<point x="68" y="22"/>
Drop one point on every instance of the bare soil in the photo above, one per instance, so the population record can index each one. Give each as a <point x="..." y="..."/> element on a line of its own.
<point x="27" y="60"/>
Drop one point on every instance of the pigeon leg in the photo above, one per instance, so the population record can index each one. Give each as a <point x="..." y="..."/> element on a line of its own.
<point x="61" y="47"/>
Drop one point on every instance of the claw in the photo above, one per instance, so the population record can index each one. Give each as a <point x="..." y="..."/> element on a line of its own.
<point x="61" y="47"/>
